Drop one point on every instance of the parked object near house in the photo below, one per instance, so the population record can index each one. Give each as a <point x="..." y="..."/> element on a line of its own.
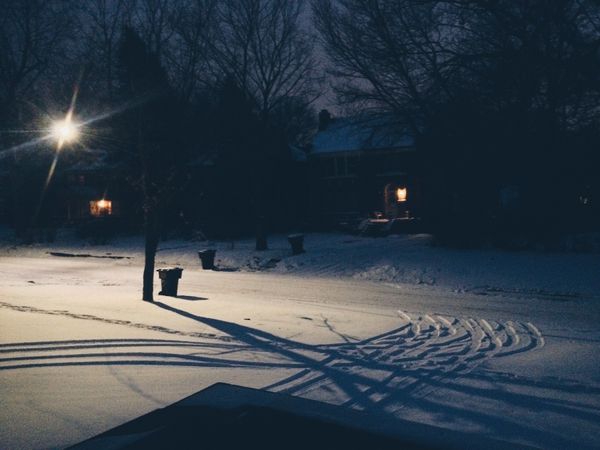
<point x="374" y="227"/>
<point x="360" y="165"/>
<point x="207" y="258"/>
<point x="297" y="243"/>
<point x="169" y="279"/>
<point x="405" y="225"/>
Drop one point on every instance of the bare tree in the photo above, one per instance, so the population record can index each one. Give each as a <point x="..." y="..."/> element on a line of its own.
<point x="410" y="57"/>
<point x="391" y="55"/>
<point x="189" y="54"/>
<point x="262" y="45"/>
<point x="151" y="136"/>
<point x="102" y="22"/>
<point x="154" y="21"/>
<point x="33" y="34"/>
<point x="33" y="45"/>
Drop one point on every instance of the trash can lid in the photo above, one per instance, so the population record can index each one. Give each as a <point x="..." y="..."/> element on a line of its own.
<point x="167" y="269"/>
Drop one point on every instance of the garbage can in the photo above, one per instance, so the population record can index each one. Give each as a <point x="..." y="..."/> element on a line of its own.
<point x="207" y="257"/>
<point x="169" y="279"/>
<point x="297" y="243"/>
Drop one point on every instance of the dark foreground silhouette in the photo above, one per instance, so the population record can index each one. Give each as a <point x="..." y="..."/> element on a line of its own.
<point x="225" y="416"/>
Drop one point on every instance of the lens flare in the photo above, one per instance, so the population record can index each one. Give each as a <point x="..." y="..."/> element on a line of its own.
<point x="64" y="131"/>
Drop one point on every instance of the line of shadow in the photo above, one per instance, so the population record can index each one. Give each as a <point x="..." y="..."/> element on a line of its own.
<point x="191" y="297"/>
<point x="343" y="366"/>
<point x="92" y="341"/>
<point x="228" y="347"/>
<point x="216" y="362"/>
<point x="359" y="388"/>
<point x="284" y="347"/>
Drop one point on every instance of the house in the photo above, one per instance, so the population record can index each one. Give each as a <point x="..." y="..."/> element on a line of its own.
<point x="363" y="167"/>
<point x="89" y="190"/>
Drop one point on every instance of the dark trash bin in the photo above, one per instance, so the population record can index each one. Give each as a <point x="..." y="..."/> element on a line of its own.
<point x="297" y="243"/>
<point x="207" y="257"/>
<point x="169" y="279"/>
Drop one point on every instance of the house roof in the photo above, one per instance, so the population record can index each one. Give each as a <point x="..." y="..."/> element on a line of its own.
<point x="360" y="134"/>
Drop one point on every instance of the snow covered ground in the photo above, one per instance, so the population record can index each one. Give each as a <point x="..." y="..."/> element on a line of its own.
<point x="495" y="343"/>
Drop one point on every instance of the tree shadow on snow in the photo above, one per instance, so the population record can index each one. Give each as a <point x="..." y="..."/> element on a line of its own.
<point x="427" y="366"/>
<point x="191" y="297"/>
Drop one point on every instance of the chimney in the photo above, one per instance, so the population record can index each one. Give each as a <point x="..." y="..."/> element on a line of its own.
<point x="324" y="119"/>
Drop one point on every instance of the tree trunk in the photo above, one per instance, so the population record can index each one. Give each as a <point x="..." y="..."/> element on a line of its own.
<point x="151" y="244"/>
<point x="261" y="235"/>
<point x="261" y="172"/>
<point x="259" y="214"/>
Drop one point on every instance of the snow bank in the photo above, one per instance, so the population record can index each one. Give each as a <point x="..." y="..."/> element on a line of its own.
<point x="399" y="260"/>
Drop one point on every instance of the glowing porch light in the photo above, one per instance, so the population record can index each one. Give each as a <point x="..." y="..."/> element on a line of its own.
<point x="401" y="195"/>
<point x="100" y="208"/>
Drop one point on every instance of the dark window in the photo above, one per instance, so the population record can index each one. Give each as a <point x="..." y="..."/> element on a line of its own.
<point x="340" y="166"/>
<point x="352" y="165"/>
<point x="327" y="167"/>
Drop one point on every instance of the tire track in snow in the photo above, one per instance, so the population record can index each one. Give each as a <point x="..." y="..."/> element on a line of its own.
<point x="136" y="352"/>
<point x="51" y="346"/>
<point x="127" y="323"/>
<point x="431" y="347"/>
<point x="128" y="357"/>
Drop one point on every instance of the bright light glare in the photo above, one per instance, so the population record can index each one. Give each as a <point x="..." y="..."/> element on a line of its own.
<point x="401" y="194"/>
<point x="64" y="131"/>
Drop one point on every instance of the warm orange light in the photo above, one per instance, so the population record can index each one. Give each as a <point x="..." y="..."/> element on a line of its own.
<point x="101" y="208"/>
<point x="401" y="194"/>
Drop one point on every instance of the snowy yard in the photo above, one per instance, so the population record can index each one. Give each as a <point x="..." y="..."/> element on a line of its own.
<point x="499" y="344"/>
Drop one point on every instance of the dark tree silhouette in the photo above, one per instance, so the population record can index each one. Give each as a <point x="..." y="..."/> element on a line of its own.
<point x="261" y="45"/>
<point x="243" y="153"/>
<point x="153" y="135"/>
<point x="102" y="22"/>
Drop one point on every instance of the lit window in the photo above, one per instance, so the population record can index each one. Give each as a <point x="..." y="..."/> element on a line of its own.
<point x="100" y="208"/>
<point x="401" y="194"/>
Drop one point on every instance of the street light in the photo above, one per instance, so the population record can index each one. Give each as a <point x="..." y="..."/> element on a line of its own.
<point x="65" y="131"/>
